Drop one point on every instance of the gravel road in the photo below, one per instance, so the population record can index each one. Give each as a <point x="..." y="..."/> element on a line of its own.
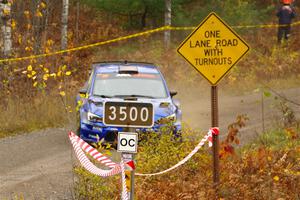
<point x="38" y="165"/>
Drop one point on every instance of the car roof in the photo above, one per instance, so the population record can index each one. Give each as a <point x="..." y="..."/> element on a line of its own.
<point x="114" y="67"/>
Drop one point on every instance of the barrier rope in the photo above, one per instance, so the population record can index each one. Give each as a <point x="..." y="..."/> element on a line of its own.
<point x="79" y="145"/>
<point x="208" y="136"/>
<point x="163" y="28"/>
<point x="124" y="188"/>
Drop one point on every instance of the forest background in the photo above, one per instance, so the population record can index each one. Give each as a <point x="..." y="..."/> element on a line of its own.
<point x="45" y="26"/>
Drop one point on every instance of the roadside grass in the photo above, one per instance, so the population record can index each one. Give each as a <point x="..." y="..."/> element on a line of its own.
<point x="241" y="86"/>
<point x="257" y="173"/>
<point x="21" y="115"/>
<point x="89" y="186"/>
<point x="277" y="140"/>
<point x="268" y="168"/>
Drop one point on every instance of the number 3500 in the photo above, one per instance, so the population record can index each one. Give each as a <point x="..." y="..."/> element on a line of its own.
<point x="128" y="114"/>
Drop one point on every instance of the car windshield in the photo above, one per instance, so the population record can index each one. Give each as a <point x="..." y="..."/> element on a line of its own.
<point x="122" y="85"/>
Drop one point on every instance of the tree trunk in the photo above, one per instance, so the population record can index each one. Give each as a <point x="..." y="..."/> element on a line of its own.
<point x="37" y="28"/>
<point x="45" y="36"/>
<point x="77" y="20"/>
<point x="144" y="15"/>
<point x="64" y="24"/>
<point x="167" y="38"/>
<point x="5" y="13"/>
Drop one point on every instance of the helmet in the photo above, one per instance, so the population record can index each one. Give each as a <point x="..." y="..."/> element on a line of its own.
<point x="287" y="1"/>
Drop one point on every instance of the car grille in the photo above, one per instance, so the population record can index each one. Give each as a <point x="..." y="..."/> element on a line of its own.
<point x="111" y="136"/>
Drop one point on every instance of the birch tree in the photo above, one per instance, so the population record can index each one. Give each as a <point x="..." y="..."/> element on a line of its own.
<point x="64" y="24"/>
<point x="5" y="13"/>
<point x="167" y="34"/>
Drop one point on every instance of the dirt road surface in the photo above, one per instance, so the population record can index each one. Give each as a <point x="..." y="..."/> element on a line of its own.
<point x="197" y="113"/>
<point x="38" y="165"/>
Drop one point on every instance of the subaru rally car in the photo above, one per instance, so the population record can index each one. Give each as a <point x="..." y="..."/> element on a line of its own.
<point x="116" y="81"/>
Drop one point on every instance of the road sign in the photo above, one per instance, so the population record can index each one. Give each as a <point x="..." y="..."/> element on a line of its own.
<point x="128" y="114"/>
<point x="127" y="142"/>
<point x="213" y="48"/>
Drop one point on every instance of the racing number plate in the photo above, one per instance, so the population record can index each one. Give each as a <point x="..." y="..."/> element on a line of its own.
<point x="128" y="114"/>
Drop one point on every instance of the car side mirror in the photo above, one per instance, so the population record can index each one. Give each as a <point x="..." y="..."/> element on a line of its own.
<point x="173" y="93"/>
<point x="83" y="91"/>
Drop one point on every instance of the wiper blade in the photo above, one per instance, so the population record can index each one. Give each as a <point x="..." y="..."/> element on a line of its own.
<point x="103" y="96"/>
<point x="135" y="95"/>
<point x="124" y="96"/>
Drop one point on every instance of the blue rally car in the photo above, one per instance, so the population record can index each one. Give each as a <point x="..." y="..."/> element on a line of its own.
<point x="114" y="81"/>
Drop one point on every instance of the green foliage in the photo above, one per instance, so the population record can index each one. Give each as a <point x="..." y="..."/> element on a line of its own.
<point x="234" y="12"/>
<point x="278" y="139"/>
<point x="158" y="152"/>
<point x="267" y="94"/>
<point x="137" y="13"/>
<point x="133" y="13"/>
<point x="92" y="187"/>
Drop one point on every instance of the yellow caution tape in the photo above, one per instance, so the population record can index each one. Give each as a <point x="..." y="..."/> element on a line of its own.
<point x="267" y="25"/>
<point x="163" y="28"/>
<point x="87" y="46"/>
<point x="239" y="26"/>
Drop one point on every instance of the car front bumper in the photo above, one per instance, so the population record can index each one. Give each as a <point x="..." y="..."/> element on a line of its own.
<point x="95" y="132"/>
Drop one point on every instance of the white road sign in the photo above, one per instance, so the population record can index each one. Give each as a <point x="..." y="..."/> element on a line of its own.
<point x="127" y="142"/>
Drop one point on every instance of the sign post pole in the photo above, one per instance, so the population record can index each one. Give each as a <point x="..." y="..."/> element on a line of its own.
<point x="132" y="181"/>
<point x="215" y="123"/>
<point x="129" y="174"/>
<point x="130" y="171"/>
<point x="128" y="159"/>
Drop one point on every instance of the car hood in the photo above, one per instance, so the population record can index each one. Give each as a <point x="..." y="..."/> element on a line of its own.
<point x="162" y="107"/>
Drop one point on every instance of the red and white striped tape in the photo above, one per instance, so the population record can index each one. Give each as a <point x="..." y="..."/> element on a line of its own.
<point x="124" y="188"/>
<point x="92" y="151"/>
<point x="211" y="132"/>
<point x="208" y="136"/>
<point x="79" y="145"/>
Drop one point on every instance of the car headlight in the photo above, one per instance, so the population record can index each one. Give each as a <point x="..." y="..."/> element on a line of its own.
<point x="94" y="118"/>
<point x="166" y="120"/>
